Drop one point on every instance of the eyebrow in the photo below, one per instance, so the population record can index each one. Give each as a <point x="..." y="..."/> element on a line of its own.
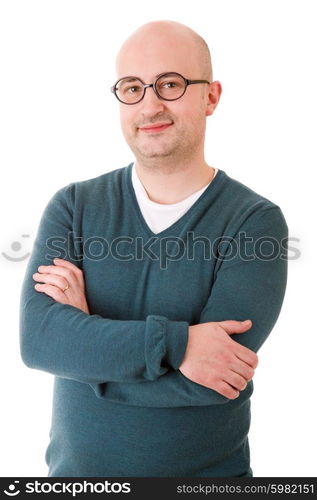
<point x="129" y="79"/>
<point x="156" y="76"/>
<point x="165" y="73"/>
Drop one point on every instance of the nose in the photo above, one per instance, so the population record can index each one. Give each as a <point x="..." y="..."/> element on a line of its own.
<point x="151" y="103"/>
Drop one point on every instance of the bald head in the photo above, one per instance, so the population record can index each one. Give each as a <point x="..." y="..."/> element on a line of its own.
<point x="170" y="37"/>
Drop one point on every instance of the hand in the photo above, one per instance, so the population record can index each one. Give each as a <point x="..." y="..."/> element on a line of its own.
<point x="57" y="277"/>
<point x="214" y="360"/>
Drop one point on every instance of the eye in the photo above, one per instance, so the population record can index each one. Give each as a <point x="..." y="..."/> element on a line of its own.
<point x="133" y="90"/>
<point x="129" y="87"/>
<point x="171" y="84"/>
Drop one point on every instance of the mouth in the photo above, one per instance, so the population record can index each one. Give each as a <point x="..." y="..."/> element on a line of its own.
<point x="155" y="128"/>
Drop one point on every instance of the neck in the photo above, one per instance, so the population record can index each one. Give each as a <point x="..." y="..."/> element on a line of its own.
<point x="168" y="184"/>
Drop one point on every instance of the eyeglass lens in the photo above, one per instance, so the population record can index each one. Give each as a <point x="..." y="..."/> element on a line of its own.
<point x="130" y="90"/>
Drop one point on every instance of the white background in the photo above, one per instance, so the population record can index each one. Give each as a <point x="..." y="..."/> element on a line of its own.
<point x="60" y="123"/>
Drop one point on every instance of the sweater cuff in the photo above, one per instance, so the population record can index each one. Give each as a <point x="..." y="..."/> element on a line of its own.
<point x="176" y="337"/>
<point x="165" y="345"/>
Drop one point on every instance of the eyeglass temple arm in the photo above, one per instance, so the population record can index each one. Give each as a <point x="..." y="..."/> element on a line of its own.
<point x="190" y="82"/>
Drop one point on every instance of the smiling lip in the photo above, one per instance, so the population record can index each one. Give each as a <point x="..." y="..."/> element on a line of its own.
<point x="157" y="127"/>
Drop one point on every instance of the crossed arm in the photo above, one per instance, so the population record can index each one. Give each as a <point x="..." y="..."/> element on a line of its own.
<point x="211" y="357"/>
<point x="151" y="353"/>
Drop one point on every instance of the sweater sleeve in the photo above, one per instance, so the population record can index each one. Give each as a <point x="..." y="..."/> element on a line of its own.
<point x="250" y="283"/>
<point x="63" y="340"/>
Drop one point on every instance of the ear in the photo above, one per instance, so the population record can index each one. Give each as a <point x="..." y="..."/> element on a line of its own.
<point x="214" y="93"/>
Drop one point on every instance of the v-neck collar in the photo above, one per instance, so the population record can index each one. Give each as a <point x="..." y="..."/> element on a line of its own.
<point x="211" y="187"/>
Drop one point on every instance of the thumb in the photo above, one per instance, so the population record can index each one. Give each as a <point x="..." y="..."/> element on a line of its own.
<point x="232" y="326"/>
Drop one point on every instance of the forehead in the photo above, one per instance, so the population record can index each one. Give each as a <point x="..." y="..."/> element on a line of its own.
<point x="157" y="55"/>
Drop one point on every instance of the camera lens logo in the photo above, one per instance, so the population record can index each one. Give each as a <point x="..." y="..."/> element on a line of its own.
<point x="13" y="492"/>
<point x="16" y="246"/>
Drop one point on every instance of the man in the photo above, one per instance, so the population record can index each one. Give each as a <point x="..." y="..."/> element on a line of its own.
<point x="141" y="319"/>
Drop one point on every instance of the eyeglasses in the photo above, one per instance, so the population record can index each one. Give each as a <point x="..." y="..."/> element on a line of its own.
<point x="168" y="86"/>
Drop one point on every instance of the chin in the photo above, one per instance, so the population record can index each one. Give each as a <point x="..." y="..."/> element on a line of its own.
<point x="150" y="151"/>
<point x="154" y="154"/>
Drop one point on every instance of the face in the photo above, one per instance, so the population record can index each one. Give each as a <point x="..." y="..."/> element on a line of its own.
<point x="155" y="128"/>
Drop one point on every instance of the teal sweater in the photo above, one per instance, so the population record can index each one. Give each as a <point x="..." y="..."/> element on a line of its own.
<point x="121" y="407"/>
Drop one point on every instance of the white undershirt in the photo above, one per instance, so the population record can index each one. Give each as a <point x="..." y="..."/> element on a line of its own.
<point x="159" y="216"/>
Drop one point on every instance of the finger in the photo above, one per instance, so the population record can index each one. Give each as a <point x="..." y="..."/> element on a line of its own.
<point x="76" y="271"/>
<point x="235" y="380"/>
<point x="51" y="279"/>
<point x="243" y="369"/>
<point x="71" y="272"/>
<point x="61" y="271"/>
<point x="232" y="326"/>
<point x="52" y="291"/>
<point x="66" y="264"/>
<point x="226" y="390"/>
<point x="246" y="355"/>
<point x="67" y="274"/>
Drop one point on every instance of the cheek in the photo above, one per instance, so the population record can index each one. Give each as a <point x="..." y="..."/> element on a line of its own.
<point x="127" y="121"/>
<point x="193" y="116"/>
<point x="190" y="110"/>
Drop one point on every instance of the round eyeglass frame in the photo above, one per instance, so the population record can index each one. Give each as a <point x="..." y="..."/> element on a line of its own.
<point x="153" y="85"/>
